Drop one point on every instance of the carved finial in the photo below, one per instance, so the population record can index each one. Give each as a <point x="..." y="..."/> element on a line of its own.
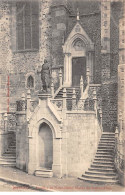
<point x="77" y="14"/>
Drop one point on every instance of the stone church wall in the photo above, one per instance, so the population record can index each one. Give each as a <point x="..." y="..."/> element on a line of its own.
<point x="109" y="72"/>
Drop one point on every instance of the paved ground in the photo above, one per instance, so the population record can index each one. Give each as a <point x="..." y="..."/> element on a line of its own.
<point x="13" y="179"/>
<point x="7" y="187"/>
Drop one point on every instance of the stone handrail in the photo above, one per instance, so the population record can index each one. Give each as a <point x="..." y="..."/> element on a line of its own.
<point x="54" y="111"/>
<point x="58" y="103"/>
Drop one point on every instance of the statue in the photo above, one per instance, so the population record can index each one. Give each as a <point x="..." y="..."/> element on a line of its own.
<point x="45" y="76"/>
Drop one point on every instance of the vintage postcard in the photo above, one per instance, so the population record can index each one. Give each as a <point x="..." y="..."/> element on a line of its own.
<point x="62" y="95"/>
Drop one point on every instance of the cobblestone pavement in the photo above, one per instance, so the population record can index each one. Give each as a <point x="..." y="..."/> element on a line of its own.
<point x="14" y="178"/>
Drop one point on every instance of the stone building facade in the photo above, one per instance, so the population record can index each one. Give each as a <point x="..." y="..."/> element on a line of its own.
<point x="79" y="40"/>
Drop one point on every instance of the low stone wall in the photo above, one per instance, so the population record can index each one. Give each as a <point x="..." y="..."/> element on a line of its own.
<point x="83" y="134"/>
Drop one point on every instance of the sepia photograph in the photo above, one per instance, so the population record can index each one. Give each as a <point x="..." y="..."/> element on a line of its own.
<point x="62" y="95"/>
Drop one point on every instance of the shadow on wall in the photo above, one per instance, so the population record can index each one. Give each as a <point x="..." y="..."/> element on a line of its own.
<point x="45" y="146"/>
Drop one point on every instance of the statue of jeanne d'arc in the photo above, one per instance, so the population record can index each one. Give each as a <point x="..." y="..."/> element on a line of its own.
<point x="45" y="76"/>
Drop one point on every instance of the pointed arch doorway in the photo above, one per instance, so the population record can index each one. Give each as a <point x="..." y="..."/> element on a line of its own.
<point x="78" y="52"/>
<point x="45" y="146"/>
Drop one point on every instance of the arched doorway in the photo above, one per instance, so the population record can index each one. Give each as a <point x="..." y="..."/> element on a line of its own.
<point x="45" y="146"/>
<point x="78" y="56"/>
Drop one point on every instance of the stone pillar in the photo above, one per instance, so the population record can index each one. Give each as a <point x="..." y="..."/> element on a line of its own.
<point x="52" y="88"/>
<point x="2" y="134"/>
<point x="21" y="134"/>
<point x="64" y="99"/>
<point x="88" y="75"/>
<point x="28" y="104"/>
<point x="60" y="77"/>
<point x="95" y="101"/>
<point x="74" y="100"/>
<point x="32" y="158"/>
<point x="67" y="70"/>
<point x="81" y="86"/>
<point x="100" y="112"/>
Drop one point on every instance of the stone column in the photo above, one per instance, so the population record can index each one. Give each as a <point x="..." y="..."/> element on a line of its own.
<point x="32" y="158"/>
<point x="20" y="132"/>
<point x="28" y="104"/>
<point x="2" y="134"/>
<point x="95" y="101"/>
<point x="81" y="86"/>
<point x="74" y="100"/>
<point x="88" y="75"/>
<point x="52" y="89"/>
<point x="60" y="77"/>
<point x="90" y="63"/>
<point x="67" y="70"/>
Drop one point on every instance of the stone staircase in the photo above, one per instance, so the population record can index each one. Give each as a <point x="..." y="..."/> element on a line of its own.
<point x="102" y="169"/>
<point x="9" y="157"/>
<point x="69" y="94"/>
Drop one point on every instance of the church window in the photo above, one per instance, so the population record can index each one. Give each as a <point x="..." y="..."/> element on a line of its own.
<point x="30" y="82"/>
<point x="27" y="23"/>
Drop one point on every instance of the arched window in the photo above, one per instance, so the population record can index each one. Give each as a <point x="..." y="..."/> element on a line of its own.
<point x="27" y="25"/>
<point x="30" y="82"/>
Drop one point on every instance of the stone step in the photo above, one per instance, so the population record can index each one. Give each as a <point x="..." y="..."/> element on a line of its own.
<point x="106" y="147"/>
<point x="7" y="157"/>
<point x="92" y="180"/>
<point x="100" y="173"/>
<point x="12" y="146"/>
<point x="103" y="177"/>
<point x="108" y="133"/>
<point x="11" y="164"/>
<point x="108" y="170"/>
<point x="102" y="166"/>
<point x="7" y="160"/>
<point x="102" y="163"/>
<point x="44" y="173"/>
<point x="107" y="139"/>
<point x="107" y="144"/>
<point x="105" y="153"/>
<point x="105" y="150"/>
<point x="10" y="152"/>
<point x="104" y="159"/>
